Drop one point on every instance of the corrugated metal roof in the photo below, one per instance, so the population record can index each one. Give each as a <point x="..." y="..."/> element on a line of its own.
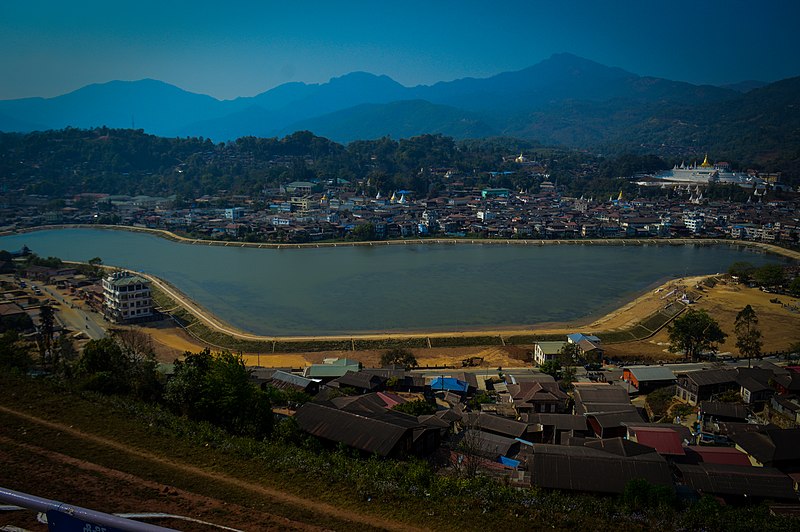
<point x="593" y="470"/>
<point x="372" y="434"/>
<point x="551" y="348"/>
<point x="718" y="455"/>
<point x="128" y="280"/>
<point x="718" y="479"/>
<point x="291" y="378"/>
<point x="666" y="441"/>
<point x="449" y="384"/>
<point x="651" y="373"/>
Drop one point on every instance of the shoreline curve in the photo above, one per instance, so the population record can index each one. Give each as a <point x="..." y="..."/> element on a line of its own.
<point x="219" y="326"/>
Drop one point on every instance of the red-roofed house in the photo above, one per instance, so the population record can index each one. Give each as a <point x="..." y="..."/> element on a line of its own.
<point x="717" y="455"/>
<point x="666" y="442"/>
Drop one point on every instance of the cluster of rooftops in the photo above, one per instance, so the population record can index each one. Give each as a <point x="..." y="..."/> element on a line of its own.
<point x="592" y="439"/>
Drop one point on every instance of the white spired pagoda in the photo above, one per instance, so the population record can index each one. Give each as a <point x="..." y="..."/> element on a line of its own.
<point x="705" y="173"/>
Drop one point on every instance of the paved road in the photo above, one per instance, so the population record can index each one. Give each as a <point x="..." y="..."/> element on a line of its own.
<point x="74" y="315"/>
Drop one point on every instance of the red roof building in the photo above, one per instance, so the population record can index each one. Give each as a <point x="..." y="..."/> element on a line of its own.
<point x="666" y="442"/>
<point x="718" y="455"/>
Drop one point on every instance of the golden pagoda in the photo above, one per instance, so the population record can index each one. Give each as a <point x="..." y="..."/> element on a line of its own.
<point x="705" y="163"/>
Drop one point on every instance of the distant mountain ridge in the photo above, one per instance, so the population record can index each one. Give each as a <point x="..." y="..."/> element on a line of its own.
<point x="564" y="99"/>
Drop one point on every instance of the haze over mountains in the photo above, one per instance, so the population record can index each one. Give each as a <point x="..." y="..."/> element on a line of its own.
<point x="564" y="99"/>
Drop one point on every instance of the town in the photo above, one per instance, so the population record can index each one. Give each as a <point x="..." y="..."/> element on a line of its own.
<point x="333" y="209"/>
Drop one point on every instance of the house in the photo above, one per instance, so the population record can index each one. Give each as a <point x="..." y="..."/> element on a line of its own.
<point x="778" y="448"/>
<point x="537" y="396"/>
<point x="589" y="345"/>
<point x="734" y="483"/>
<point x="283" y="380"/>
<point x="613" y="424"/>
<point x="384" y="434"/>
<point x="331" y="368"/>
<point x="600" y="398"/>
<point x="547" y="351"/>
<point x="754" y="384"/>
<point x="449" y="384"/>
<point x="697" y="386"/>
<point x="12" y="316"/>
<point x="696" y="454"/>
<point x="666" y="441"/>
<point x="715" y="411"/>
<point x="487" y="444"/>
<point x="498" y="425"/>
<point x="359" y="381"/>
<point x="377" y="402"/>
<point x="648" y="378"/>
<point x="554" y="427"/>
<point x="591" y="470"/>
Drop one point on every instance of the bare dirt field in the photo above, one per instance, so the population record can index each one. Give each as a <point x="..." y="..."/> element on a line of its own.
<point x="779" y="322"/>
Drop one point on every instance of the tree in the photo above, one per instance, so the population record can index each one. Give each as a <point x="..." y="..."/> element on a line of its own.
<point x="748" y="336"/>
<point x="741" y="269"/>
<point x="103" y="368"/>
<point x="399" y="357"/>
<point x="217" y="388"/>
<point x="769" y="275"/>
<point x="552" y="368"/>
<point x="694" y="332"/>
<point x="363" y="232"/>
<point x="794" y="287"/>
<point x="96" y="263"/>
<point x="568" y="376"/>
<point x="13" y="354"/>
<point x="111" y="366"/>
<point x="570" y="353"/>
<point x="44" y="337"/>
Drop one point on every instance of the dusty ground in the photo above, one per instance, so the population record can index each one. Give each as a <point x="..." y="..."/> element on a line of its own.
<point x="779" y="322"/>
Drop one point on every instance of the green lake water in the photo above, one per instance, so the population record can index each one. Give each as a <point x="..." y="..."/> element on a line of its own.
<point x="358" y="289"/>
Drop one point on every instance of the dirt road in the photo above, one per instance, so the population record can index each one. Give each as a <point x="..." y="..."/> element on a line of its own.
<point x="12" y="442"/>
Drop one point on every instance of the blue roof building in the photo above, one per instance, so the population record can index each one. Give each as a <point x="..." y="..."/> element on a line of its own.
<point x="449" y="384"/>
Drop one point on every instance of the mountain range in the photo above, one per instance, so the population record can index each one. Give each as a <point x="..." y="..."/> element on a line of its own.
<point x="564" y="100"/>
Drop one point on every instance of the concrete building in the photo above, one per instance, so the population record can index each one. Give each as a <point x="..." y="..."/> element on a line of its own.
<point x="545" y="351"/>
<point x="127" y="297"/>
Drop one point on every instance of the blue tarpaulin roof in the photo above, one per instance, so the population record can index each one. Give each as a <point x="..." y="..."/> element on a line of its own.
<point x="510" y="462"/>
<point x="450" y="384"/>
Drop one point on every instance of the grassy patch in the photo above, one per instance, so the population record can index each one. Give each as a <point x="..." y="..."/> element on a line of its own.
<point x="464" y="341"/>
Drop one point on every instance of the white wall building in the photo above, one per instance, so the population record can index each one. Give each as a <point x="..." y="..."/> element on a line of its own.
<point x="127" y="297"/>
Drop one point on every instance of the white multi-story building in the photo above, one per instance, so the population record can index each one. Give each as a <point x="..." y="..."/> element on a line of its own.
<point x="127" y="297"/>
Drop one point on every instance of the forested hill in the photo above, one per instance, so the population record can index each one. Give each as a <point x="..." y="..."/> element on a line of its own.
<point x="564" y="100"/>
<point x="120" y="161"/>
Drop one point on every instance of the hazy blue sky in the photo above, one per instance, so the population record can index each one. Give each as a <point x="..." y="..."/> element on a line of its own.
<point x="232" y="48"/>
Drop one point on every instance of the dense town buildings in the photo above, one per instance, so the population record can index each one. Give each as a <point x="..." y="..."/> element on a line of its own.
<point x="323" y="211"/>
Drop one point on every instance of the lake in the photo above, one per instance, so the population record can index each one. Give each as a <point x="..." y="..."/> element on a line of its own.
<point x="361" y="289"/>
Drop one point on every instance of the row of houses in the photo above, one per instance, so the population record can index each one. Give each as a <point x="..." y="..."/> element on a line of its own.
<point x="536" y="434"/>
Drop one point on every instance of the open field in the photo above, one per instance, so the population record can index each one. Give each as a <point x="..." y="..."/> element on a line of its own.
<point x="779" y="322"/>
